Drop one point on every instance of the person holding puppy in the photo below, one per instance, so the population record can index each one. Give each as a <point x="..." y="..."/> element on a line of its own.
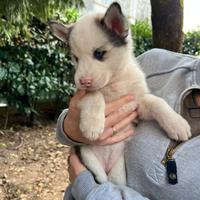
<point x="157" y="167"/>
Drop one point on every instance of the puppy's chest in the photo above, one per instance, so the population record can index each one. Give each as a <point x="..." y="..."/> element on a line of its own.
<point x="116" y="90"/>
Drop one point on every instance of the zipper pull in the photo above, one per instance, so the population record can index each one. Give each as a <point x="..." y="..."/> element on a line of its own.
<point x="172" y="172"/>
<point x="171" y="168"/>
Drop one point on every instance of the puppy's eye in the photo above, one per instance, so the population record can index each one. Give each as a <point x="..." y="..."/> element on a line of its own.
<point x="99" y="54"/>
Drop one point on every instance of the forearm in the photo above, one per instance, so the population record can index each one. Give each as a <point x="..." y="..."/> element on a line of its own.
<point x="93" y="191"/>
<point x="71" y="129"/>
<point x="61" y="134"/>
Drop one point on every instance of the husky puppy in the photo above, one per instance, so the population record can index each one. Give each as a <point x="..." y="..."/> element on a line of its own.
<point x="101" y="47"/>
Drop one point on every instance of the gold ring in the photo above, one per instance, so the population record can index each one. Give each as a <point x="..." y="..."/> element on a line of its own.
<point x="114" y="130"/>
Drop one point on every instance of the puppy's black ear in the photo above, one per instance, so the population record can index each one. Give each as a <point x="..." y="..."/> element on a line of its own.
<point x="60" y="31"/>
<point x="115" y="20"/>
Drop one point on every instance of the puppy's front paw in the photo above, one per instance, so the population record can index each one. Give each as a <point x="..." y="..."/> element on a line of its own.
<point x="101" y="178"/>
<point x="92" y="125"/>
<point x="178" y="128"/>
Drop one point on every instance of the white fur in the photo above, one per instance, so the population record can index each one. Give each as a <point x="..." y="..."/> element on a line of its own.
<point x="117" y="75"/>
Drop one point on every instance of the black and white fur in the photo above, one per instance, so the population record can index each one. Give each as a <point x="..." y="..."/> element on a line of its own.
<point x="101" y="46"/>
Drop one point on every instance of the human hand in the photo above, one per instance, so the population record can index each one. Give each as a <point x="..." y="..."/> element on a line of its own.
<point x="71" y="121"/>
<point x="75" y="167"/>
<point x="119" y="116"/>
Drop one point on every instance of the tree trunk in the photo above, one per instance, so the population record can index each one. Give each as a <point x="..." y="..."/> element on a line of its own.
<point x="167" y="24"/>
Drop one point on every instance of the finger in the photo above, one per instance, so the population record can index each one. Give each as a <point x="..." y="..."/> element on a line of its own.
<point x="73" y="158"/>
<point x="72" y="151"/>
<point x="122" y="124"/>
<point x="115" y="105"/>
<point x="77" y="97"/>
<point x="118" y="137"/>
<point x="120" y="114"/>
<point x="119" y="126"/>
<point x="79" y="94"/>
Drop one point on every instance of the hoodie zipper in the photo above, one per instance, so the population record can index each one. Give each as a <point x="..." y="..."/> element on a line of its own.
<point x="170" y="163"/>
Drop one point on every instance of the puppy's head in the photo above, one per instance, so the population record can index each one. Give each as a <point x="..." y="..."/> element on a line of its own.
<point x="100" y="46"/>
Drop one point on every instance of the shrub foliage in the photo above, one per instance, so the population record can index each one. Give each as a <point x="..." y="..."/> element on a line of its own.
<point x="142" y="37"/>
<point x="191" y="43"/>
<point x="35" y="68"/>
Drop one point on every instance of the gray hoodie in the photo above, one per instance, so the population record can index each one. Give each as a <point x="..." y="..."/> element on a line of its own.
<point x="173" y="77"/>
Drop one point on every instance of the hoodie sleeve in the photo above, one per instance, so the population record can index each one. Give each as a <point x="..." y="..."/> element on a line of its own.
<point x="60" y="133"/>
<point x="93" y="191"/>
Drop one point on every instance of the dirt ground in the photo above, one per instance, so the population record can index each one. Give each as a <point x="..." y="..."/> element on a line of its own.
<point x="33" y="164"/>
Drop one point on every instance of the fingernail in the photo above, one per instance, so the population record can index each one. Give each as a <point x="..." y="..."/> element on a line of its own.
<point x="130" y="97"/>
<point x="132" y="131"/>
<point x="134" y="106"/>
<point x="131" y="106"/>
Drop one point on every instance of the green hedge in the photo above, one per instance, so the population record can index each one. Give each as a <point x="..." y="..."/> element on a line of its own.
<point x="191" y="44"/>
<point x="142" y="36"/>
<point x="35" y="68"/>
<point x="34" y="71"/>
